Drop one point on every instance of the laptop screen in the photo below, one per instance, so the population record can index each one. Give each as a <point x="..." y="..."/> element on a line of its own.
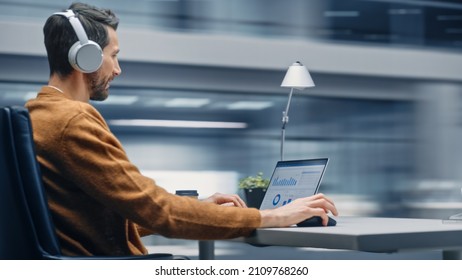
<point x="292" y="180"/>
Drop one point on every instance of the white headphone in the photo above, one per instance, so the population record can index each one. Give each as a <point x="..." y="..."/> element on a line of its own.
<point x="85" y="55"/>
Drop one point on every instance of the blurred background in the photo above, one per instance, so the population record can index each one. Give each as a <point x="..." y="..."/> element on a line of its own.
<point x="199" y="102"/>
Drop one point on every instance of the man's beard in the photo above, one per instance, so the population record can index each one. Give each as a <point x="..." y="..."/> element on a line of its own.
<point x="97" y="87"/>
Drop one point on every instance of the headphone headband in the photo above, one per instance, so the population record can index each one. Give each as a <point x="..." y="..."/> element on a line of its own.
<point x="76" y="24"/>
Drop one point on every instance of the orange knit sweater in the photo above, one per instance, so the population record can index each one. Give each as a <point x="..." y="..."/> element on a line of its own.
<point x="99" y="200"/>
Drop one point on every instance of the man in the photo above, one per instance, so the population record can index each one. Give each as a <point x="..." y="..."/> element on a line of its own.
<point x="101" y="204"/>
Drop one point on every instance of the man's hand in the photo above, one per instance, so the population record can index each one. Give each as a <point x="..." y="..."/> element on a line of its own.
<point x="299" y="210"/>
<point x="226" y="200"/>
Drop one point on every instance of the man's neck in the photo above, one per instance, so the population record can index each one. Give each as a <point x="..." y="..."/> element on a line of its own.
<point x="73" y="86"/>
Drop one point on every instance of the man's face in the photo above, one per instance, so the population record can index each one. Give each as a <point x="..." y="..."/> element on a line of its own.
<point x="98" y="82"/>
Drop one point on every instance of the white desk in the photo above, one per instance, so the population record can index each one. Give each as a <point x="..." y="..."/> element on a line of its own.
<point x="381" y="235"/>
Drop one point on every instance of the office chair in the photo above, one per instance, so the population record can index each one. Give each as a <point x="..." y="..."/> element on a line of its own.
<point x="26" y="226"/>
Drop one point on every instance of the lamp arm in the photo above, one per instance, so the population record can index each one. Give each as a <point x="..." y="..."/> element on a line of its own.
<point x="285" y="120"/>
<point x="285" y="114"/>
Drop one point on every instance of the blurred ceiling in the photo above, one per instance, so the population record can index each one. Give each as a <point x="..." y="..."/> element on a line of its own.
<point x="424" y="23"/>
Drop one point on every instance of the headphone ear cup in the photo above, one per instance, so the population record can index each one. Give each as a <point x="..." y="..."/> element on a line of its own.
<point x="86" y="58"/>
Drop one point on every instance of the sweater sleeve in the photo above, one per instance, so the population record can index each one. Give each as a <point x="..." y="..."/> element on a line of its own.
<point x="96" y="161"/>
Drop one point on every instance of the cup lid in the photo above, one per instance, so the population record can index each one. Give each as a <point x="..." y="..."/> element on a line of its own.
<point x="187" y="192"/>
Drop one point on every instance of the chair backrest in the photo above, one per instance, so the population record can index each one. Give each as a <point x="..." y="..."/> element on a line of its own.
<point x="27" y="230"/>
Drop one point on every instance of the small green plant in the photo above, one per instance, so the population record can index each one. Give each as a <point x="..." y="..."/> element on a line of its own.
<point x="254" y="182"/>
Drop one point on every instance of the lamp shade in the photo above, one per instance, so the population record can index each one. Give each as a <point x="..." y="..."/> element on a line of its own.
<point x="297" y="77"/>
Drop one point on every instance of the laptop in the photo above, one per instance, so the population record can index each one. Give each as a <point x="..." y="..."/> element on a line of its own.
<point x="293" y="179"/>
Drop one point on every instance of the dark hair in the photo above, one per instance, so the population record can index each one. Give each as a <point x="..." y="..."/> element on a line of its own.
<point x="60" y="36"/>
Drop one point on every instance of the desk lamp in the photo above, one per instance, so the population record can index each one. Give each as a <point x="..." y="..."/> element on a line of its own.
<point x="297" y="77"/>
